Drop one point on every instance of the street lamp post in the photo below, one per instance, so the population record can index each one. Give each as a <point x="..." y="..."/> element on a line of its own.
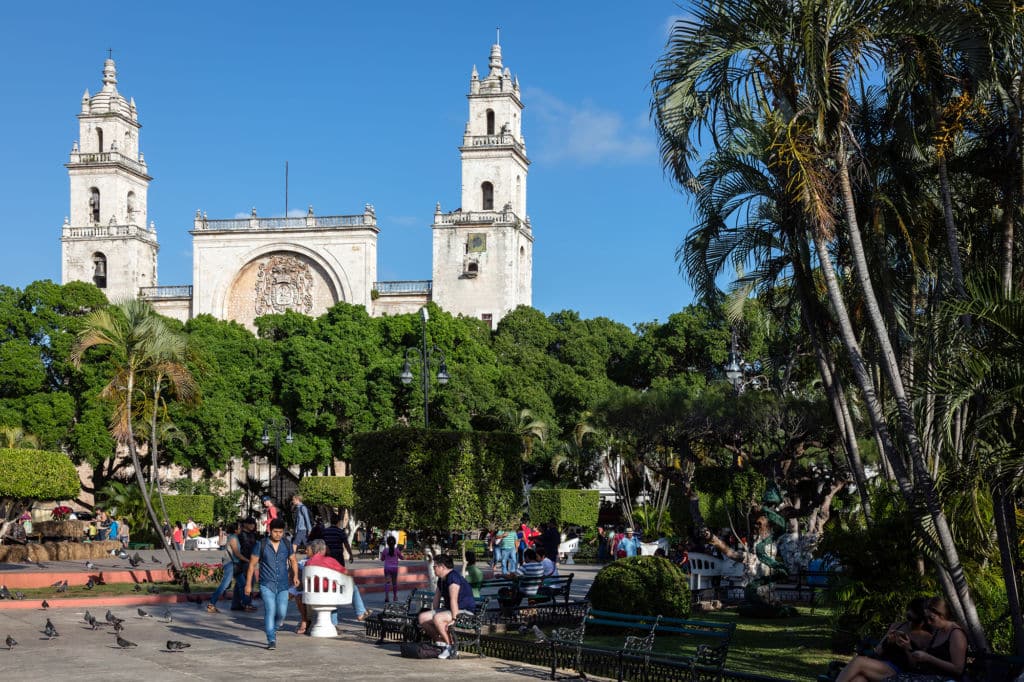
<point x="741" y="373"/>
<point x="425" y="354"/>
<point x="276" y="426"/>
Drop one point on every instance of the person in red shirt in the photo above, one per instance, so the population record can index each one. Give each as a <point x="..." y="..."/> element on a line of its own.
<point x="271" y="512"/>
<point x="317" y="552"/>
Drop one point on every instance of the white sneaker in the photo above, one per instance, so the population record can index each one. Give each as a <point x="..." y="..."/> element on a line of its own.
<point x="441" y="644"/>
<point x="448" y="652"/>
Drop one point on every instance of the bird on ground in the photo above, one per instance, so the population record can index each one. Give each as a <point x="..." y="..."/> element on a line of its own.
<point x="153" y="589"/>
<point x="175" y="645"/>
<point x="118" y="627"/>
<point x="122" y="554"/>
<point x="87" y="616"/>
<point x="109" y="617"/>
<point x="154" y="559"/>
<point x="4" y="593"/>
<point x="138" y="558"/>
<point x="124" y="643"/>
<point x="90" y="565"/>
<point x="46" y="604"/>
<point x="167" y="615"/>
<point x="11" y="643"/>
<point x="49" y="630"/>
<point x="91" y="584"/>
<point x="40" y="564"/>
<point x="137" y="588"/>
<point x="19" y="595"/>
<point x="539" y="634"/>
<point x="134" y="561"/>
<point x="143" y="614"/>
<point x="57" y="584"/>
<point x="63" y="587"/>
<point x="91" y="620"/>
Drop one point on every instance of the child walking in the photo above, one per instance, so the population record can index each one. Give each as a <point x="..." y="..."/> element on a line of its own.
<point x="391" y="555"/>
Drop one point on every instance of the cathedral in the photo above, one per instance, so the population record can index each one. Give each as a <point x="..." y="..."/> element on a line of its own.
<point x="243" y="268"/>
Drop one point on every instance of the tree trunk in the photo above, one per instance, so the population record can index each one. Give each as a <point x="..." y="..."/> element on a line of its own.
<point x="1006" y="538"/>
<point x="924" y="484"/>
<point x="952" y="243"/>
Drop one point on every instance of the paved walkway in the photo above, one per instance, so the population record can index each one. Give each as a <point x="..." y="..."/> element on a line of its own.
<point x="225" y="646"/>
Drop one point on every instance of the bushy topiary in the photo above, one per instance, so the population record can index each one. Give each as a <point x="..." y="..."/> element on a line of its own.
<point x="183" y="507"/>
<point x="568" y="507"/>
<point x="643" y="585"/>
<point x="27" y="475"/>
<point x="330" y="491"/>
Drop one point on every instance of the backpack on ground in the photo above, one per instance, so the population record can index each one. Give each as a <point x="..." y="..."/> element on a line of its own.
<point x="420" y="650"/>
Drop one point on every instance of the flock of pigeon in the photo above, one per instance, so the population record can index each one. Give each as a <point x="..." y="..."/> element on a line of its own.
<point x="110" y="620"/>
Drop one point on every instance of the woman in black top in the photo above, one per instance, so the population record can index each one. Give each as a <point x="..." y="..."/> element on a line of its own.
<point x="892" y="655"/>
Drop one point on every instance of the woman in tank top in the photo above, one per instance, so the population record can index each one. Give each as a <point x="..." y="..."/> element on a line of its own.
<point x="946" y="653"/>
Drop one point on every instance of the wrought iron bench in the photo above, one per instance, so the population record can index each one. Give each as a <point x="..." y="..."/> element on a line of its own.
<point x="397" y="621"/>
<point x="470" y="622"/>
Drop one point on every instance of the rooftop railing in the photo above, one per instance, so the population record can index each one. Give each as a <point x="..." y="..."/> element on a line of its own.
<point x="109" y="157"/>
<point x="499" y="140"/>
<point x="506" y="216"/>
<point x="307" y="222"/>
<point x="407" y="286"/>
<point x="92" y="231"/>
<point x="155" y="293"/>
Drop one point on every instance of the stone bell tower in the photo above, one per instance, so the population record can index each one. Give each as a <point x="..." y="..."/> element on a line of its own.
<point x="483" y="252"/>
<point x="106" y="239"/>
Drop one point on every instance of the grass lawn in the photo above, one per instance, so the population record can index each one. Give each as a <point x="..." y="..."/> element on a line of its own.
<point x="792" y="648"/>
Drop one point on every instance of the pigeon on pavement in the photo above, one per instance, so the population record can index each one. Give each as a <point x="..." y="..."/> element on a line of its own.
<point x="124" y="643"/>
<point x="135" y="561"/>
<point x="4" y="593"/>
<point x="91" y="620"/>
<point x="143" y="614"/>
<point x="87" y="617"/>
<point x="49" y="630"/>
<point x="11" y="643"/>
<point x="154" y="559"/>
<point x="46" y="605"/>
<point x="57" y="584"/>
<point x="175" y="645"/>
<point x="63" y="587"/>
<point x="167" y="615"/>
<point x="91" y="584"/>
<point x="90" y="565"/>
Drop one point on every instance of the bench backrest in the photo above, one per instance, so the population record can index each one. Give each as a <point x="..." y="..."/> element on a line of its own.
<point x="682" y="626"/>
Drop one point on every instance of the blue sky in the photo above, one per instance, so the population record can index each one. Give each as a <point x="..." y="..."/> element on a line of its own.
<point x="367" y="104"/>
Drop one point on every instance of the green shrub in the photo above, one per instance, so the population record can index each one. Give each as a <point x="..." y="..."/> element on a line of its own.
<point x="35" y="475"/>
<point x="437" y="480"/>
<point x="567" y="507"/>
<point x="226" y="505"/>
<point x="183" y="507"/>
<point x="643" y="585"/>
<point x="330" y="491"/>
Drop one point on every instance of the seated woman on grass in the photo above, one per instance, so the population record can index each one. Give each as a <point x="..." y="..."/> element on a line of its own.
<point x="898" y="651"/>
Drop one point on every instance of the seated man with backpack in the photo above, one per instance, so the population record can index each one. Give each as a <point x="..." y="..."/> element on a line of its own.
<point x="453" y="594"/>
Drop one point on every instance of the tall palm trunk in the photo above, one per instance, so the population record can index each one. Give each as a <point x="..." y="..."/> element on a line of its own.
<point x="154" y="477"/>
<point x="140" y="479"/>
<point x="923" y="482"/>
<point x="1005" y="522"/>
<point x="952" y="243"/>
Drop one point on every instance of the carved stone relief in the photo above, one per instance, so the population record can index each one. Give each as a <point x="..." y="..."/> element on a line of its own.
<point x="284" y="283"/>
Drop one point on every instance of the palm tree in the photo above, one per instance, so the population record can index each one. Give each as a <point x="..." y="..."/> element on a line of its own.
<point x="529" y="428"/>
<point x="795" y="64"/>
<point x="142" y="348"/>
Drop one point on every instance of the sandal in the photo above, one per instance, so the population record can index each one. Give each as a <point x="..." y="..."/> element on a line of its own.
<point x="364" y="615"/>
<point x="210" y="608"/>
<point x="301" y="629"/>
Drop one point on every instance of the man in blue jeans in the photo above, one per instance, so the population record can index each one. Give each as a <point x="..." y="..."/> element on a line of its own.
<point x="300" y="514"/>
<point x="278" y="571"/>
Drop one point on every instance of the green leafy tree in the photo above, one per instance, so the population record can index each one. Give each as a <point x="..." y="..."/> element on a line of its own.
<point x="30" y="475"/>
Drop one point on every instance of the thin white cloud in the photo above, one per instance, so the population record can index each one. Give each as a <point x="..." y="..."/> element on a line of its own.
<point x="584" y="133"/>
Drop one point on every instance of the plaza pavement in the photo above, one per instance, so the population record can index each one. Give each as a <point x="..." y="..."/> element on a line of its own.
<point x="229" y="645"/>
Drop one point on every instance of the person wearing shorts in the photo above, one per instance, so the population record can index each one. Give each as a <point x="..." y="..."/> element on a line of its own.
<point x="453" y="595"/>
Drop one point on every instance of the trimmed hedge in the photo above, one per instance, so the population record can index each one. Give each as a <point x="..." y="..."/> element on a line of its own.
<point x="437" y="480"/>
<point x="182" y="507"/>
<point x="642" y="585"/>
<point x="567" y="507"/>
<point x="331" y="491"/>
<point x="37" y="475"/>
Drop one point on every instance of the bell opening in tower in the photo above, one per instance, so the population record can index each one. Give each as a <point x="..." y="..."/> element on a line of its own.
<point x="99" y="270"/>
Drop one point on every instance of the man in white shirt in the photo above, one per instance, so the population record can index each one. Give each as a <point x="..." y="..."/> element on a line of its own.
<point x="550" y="567"/>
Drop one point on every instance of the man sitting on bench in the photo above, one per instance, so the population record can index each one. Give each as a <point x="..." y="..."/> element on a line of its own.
<point x="453" y="595"/>
<point x="530" y="574"/>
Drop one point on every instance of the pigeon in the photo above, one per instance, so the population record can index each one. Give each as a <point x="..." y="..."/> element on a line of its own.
<point x="175" y="645"/>
<point x="137" y="588"/>
<point x="117" y="626"/>
<point x="124" y="643"/>
<point x="4" y="593"/>
<point x="154" y="559"/>
<point x="539" y="634"/>
<point x="91" y="620"/>
<point x="109" y="617"/>
<point x="135" y="561"/>
<point x="153" y="589"/>
<point x="138" y="559"/>
<point x="57" y="584"/>
<point x="167" y="615"/>
<point x="19" y="595"/>
<point x="39" y="564"/>
<point x="91" y="584"/>
<point x="143" y="614"/>
<point x="63" y="587"/>
<point x="46" y="605"/>
<point x="90" y="565"/>
<point x="122" y="554"/>
<point x="11" y="643"/>
<point x="88" y="616"/>
<point x="49" y="630"/>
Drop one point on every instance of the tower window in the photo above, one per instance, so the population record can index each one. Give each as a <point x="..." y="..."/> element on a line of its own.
<point x="490" y="121"/>
<point x="94" y="204"/>
<point x="130" y="205"/>
<point x="487" y="194"/>
<point x="99" y="140"/>
<point x="99" y="270"/>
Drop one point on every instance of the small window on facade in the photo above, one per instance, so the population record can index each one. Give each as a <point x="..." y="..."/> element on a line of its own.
<point x="99" y="270"/>
<point x="487" y="194"/>
<point x="130" y="205"/>
<point x="473" y="269"/>
<point x="489" y="319"/>
<point x="94" y="204"/>
<point x="490" y="121"/>
<point x="99" y="139"/>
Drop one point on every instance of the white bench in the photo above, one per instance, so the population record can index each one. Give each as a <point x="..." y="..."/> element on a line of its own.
<point x="703" y="567"/>
<point x="569" y="549"/>
<point x="324" y="590"/>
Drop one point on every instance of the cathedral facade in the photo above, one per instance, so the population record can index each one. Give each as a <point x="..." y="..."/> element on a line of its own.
<point x="243" y="268"/>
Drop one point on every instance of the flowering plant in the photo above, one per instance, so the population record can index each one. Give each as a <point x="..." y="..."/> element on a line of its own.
<point x="61" y="512"/>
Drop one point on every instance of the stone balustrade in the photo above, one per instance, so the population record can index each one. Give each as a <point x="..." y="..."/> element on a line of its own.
<point x="157" y="293"/>
<point x="408" y="286"/>
<point x="109" y="157"/>
<point x="93" y="231"/>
